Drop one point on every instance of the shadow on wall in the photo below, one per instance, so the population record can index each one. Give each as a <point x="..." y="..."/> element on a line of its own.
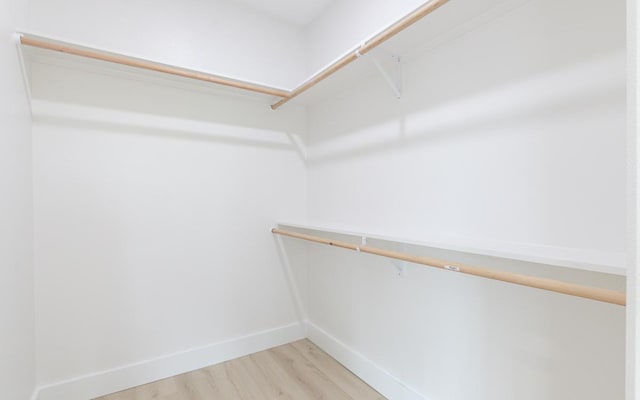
<point x="293" y="259"/>
<point x="418" y="117"/>
<point x="86" y="100"/>
<point x="190" y="130"/>
<point x="541" y="58"/>
<point x="509" y="132"/>
<point x="427" y="326"/>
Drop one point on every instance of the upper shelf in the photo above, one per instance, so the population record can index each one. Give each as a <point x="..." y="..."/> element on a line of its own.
<point x="285" y="96"/>
<point x="452" y="20"/>
<point x="449" y="23"/>
<point x="35" y="47"/>
<point x="377" y="40"/>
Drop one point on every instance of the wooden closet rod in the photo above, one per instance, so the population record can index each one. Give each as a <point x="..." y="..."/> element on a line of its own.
<point x="148" y="65"/>
<point x="587" y="292"/>
<point x="371" y="44"/>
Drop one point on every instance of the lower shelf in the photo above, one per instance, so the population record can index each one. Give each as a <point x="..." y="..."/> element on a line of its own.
<point x="581" y="259"/>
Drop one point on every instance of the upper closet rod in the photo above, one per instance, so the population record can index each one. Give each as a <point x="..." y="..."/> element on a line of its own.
<point x="371" y="44"/>
<point x="587" y="292"/>
<point x="132" y="62"/>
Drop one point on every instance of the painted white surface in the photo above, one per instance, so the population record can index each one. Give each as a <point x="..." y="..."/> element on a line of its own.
<point x="633" y="234"/>
<point x="447" y="23"/>
<point x="580" y="259"/>
<point x="300" y="12"/>
<point x="153" y="206"/>
<point x="385" y="383"/>
<point x="114" y="380"/>
<point x="288" y="40"/>
<point x="17" y="341"/>
<point x="514" y="132"/>
<point x="346" y="24"/>
<point x="215" y="36"/>
<point x="449" y="336"/>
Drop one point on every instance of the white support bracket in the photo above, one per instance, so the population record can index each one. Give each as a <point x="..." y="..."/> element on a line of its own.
<point x="400" y="265"/>
<point x="363" y="243"/>
<point x="26" y="73"/>
<point x="395" y="81"/>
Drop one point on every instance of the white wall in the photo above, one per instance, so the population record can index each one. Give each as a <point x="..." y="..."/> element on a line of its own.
<point x="218" y="36"/>
<point x="17" y="342"/>
<point x="511" y="133"/>
<point x="454" y="337"/>
<point x="153" y="206"/>
<point x="633" y="207"/>
<point x="346" y="24"/>
<point x="514" y="132"/>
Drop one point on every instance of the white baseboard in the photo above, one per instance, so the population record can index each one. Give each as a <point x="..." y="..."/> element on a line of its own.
<point x="110" y="381"/>
<point x="375" y="376"/>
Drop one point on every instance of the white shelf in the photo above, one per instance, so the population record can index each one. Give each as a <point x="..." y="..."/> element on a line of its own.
<point x="452" y="21"/>
<point x="580" y="259"/>
<point x="449" y="23"/>
<point x="30" y="55"/>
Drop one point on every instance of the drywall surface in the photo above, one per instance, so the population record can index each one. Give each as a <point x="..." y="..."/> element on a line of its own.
<point x="219" y="37"/>
<point x="344" y="25"/>
<point x="633" y="206"/>
<point x="153" y="206"/>
<point x="17" y="341"/>
<point x="513" y="132"/>
<point x="436" y="334"/>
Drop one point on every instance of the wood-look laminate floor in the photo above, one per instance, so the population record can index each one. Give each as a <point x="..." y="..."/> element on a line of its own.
<point x="296" y="371"/>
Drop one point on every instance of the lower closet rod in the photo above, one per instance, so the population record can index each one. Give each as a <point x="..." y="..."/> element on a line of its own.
<point x="587" y="292"/>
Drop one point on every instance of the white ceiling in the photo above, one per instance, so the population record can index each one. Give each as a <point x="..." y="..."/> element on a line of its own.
<point x="300" y="12"/>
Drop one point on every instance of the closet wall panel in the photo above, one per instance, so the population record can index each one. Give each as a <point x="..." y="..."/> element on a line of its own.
<point x="153" y="205"/>
<point x="17" y="341"/>
<point x="510" y="133"/>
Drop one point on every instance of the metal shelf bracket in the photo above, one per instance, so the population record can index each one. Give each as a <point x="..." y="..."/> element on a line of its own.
<point x="394" y="79"/>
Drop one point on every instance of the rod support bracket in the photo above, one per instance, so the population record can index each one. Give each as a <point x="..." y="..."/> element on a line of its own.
<point x="393" y="79"/>
<point x="401" y="266"/>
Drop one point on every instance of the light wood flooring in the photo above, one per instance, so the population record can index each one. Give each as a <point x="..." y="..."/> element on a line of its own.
<point x="296" y="371"/>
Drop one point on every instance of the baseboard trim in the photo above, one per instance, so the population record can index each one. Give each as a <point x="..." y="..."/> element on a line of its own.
<point x="375" y="376"/>
<point x="110" y="381"/>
